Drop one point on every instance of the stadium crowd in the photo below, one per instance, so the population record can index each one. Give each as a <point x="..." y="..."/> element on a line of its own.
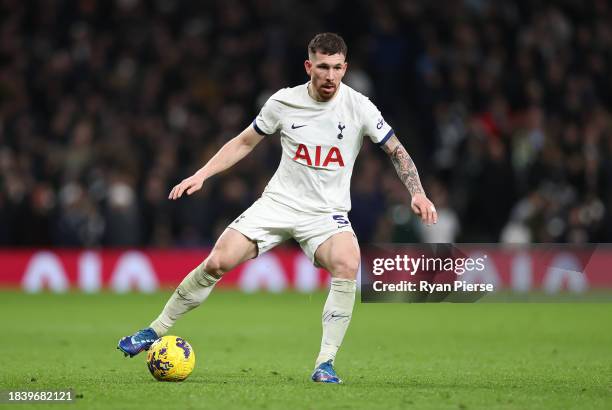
<point x="105" y="105"/>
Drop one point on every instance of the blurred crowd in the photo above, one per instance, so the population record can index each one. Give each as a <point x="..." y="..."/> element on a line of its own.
<point x="105" y="105"/>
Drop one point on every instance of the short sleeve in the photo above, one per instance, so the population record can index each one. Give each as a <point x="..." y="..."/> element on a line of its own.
<point x="268" y="120"/>
<point x="374" y="125"/>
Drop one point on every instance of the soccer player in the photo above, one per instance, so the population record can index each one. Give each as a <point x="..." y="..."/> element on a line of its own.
<point x="322" y="125"/>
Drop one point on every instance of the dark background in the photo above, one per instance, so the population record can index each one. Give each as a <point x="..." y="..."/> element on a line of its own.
<point x="105" y="105"/>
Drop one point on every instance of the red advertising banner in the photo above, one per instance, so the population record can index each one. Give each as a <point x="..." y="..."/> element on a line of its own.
<point x="149" y="269"/>
<point x="146" y="270"/>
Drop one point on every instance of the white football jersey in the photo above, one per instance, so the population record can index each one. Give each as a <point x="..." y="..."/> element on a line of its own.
<point x="320" y="142"/>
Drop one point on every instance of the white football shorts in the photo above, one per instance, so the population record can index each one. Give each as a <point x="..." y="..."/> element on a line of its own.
<point x="268" y="223"/>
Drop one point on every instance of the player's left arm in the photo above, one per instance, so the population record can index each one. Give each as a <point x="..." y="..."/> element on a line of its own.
<point x="407" y="171"/>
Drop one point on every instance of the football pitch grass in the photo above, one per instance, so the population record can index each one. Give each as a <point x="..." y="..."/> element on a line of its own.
<point x="257" y="351"/>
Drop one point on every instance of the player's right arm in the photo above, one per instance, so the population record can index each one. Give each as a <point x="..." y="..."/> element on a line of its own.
<point x="232" y="152"/>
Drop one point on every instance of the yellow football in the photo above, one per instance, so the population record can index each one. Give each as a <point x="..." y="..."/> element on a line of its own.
<point x="170" y="359"/>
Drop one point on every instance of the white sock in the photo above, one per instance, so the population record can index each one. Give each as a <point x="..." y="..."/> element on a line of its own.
<point x="336" y="317"/>
<point x="192" y="291"/>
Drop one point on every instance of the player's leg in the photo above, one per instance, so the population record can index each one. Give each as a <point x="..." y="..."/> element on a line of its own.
<point x="339" y="255"/>
<point x="232" y="248"/>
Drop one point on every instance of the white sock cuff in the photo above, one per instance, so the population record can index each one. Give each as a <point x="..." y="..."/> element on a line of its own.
<point x="343" y="285"/>
<point x="204" y="278"/>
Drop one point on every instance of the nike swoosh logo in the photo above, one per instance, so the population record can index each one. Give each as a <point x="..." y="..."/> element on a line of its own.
<point x="293" y="126"/>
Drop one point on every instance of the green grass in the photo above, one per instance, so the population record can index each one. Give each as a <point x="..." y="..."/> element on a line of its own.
<point x="257" y="351"/>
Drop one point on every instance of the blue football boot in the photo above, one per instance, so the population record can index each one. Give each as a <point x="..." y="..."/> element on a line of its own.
<point x="325" y="373"/>
<point x="139" y="341"/>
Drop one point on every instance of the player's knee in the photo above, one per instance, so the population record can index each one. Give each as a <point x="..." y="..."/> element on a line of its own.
<point x="345" y="267"/>
<point x="216" y="265"/>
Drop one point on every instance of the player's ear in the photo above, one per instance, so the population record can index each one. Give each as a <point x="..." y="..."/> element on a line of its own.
<point x="343" y="73"/>
<point x="308" y="66"/>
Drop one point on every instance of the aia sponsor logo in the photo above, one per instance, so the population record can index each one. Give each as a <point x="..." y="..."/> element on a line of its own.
<point x="318" y="156"/>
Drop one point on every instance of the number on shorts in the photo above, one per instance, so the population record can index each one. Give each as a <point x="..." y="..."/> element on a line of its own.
<point x="340" y="219"/>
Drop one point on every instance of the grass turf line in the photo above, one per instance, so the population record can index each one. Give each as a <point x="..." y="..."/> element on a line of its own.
<point x="257" y="351"/>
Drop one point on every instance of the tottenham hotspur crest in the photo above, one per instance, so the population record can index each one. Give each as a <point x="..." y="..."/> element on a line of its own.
<point x="341" y="127"/>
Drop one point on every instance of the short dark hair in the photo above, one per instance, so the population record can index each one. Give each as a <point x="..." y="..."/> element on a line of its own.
<point x="327" y="43"/>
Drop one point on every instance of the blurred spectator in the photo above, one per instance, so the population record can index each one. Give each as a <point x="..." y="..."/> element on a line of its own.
<point x="448" y="227"/>
<point x="105" y="105"/>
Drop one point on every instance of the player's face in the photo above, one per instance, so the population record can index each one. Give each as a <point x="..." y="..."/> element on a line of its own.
<point x="326" y="72"/>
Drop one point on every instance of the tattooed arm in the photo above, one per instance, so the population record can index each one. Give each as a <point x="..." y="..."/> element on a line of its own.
<point x="404" y="166"/>
<point x="409" y="175"/>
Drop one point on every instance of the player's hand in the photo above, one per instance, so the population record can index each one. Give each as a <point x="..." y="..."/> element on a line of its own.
<point x="423" y="207"/>
<point x="189" y="185"/>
